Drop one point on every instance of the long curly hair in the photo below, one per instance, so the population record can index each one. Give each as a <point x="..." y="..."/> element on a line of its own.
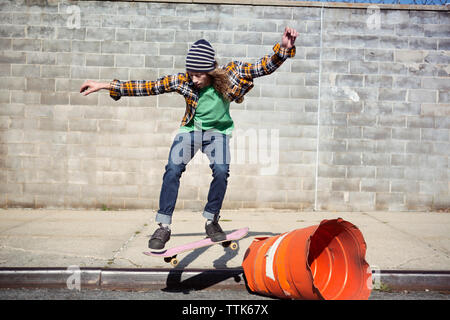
<point x="221" y="82"/>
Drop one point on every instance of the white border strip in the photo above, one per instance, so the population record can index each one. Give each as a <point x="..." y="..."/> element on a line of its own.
<point x="318" y="110"/>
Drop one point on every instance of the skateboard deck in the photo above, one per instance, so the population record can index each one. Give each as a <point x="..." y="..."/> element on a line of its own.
<point x="170" y="255"/>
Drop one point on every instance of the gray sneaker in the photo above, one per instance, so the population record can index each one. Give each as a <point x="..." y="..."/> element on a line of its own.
<point x="159" y="238"/>
<point x="215" y="232"/>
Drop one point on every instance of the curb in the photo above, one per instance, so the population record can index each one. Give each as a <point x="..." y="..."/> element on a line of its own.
<point x="188" y="279"/>
<point x="122" y="279"/>
<point x="436" y="280"/>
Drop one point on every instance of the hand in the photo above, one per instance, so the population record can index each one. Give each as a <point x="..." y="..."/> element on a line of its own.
<point x="288" y="39"/>
<point x="90" y="86"/>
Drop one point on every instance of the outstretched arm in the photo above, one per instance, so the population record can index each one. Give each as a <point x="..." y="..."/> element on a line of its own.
<point x="269" y="63"/>
<point x="90" y="86"/>
<point x="118" y="88"/>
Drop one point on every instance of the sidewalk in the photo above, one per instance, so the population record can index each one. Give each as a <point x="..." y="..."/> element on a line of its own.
<point x="116" y="239"/>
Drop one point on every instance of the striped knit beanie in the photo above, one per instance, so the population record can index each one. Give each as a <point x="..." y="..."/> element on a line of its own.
<point x="200" y="57"/>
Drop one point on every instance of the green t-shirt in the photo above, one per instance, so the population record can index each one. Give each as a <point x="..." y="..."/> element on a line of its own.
<point x="212" y="113"/>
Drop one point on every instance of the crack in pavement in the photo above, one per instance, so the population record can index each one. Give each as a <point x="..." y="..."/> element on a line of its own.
<point x="431" y="246"/>
<point x="50" y="252"/>
<point x="125" y="245"/>
<point x="408" y="261"/>
<point x="21" y="224"/>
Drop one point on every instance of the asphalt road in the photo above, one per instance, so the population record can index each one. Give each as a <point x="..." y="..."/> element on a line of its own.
<point x="206" y="304"/>
<point x="214" y="294"/>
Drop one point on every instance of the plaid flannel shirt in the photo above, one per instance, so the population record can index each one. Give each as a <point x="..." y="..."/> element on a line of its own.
<point x="241" y="76"/>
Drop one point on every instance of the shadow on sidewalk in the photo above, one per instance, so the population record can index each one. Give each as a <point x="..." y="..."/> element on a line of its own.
<point x="208" y="278"/>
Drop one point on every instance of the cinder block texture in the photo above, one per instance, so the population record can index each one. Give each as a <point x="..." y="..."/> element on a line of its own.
<point x="368" y="90"/>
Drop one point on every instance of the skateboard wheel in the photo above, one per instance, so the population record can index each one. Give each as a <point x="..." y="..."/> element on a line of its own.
<point x="226" y="244"/>
<point x="167" y="259"/>
<point x="234" y="246"/>
<point x="174" y="262"/>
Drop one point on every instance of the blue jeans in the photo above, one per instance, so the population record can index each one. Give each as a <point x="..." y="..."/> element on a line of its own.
<point x="216" y="146"/>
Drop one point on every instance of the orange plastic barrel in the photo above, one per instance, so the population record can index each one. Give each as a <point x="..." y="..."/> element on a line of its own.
<point x="325" y="261"/>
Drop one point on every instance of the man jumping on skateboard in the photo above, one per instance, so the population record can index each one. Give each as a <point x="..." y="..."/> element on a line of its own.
<point x="208" y="90"/>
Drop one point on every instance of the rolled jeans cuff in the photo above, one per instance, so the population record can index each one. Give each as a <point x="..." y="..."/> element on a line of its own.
<point x="163" y="218"/>
<point x="209" y="215"/>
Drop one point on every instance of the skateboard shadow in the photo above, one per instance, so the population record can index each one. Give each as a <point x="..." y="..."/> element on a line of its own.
<point x="203" y="280"/>
<point x="209" y="277"/>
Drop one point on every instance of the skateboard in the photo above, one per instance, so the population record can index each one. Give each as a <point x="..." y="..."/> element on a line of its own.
<point x="170" y="255"/>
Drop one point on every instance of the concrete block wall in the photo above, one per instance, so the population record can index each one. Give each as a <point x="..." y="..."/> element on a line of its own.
<point x="373" y="99"/>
